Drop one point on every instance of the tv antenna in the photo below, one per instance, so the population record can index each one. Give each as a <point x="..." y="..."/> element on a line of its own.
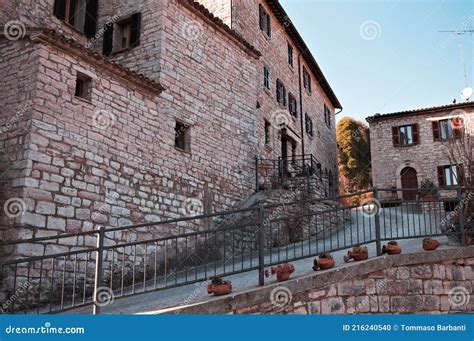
<point x="466" y="93"/>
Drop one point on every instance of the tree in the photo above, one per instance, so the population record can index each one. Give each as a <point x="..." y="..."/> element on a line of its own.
<point x="353" y="154"/>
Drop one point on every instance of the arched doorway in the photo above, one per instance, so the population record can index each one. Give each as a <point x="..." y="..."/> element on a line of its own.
<point x="409" y="180"/>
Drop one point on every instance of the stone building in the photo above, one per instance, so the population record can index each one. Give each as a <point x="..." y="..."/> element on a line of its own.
<point x="410" y="147"/>
<point x="118" y="112"/>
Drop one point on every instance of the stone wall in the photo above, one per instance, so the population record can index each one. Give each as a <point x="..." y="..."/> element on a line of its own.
<point x="388" y="160"/>
<point x="436" y="282"/>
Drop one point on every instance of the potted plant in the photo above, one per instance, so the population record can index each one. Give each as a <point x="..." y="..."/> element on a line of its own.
<point x="428" y="190"/>
<point x="282" y="271"/>
<point x="430" y="244"/>
<point x="325" y="261"/>
<point x="358" y="253"/>
<point x="392" y="248"/>
<point x="219" y="287"/>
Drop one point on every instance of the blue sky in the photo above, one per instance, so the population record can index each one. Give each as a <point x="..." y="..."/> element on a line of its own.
<point x="400" y="62"/>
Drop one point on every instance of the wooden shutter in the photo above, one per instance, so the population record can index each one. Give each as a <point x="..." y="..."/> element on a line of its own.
<point x="416" y="134"/>
<point x="395" y="136"/>
<point x="461" y="176"/>
<point x="269" y="26"/>
<point x="135" y="30"/>
<point x="441" y="179"/>
<point x="108" y="40"/>
<point x="90" y="25"/>
<point x="436" y="131"/>
<point x="72" y="13"/>
<point x="260" y="16"/>
<point x="60" y="9"/>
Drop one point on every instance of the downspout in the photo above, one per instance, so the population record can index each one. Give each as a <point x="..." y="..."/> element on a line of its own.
<point x="301" y="104"/>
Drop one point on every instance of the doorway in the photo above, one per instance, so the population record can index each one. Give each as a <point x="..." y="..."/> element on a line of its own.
<point x="409" y="179"/>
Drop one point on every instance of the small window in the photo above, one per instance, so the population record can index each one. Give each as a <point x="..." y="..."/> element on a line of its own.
<point x="281" y="93"/>
<point x="327" y="115"/>
<point x="406" y="135"/>
<point x="182" y="137"/>
<point x="264" y="21"/>
<point x="81" y="14"/>
<point x="83" y="86"/>
<point x="123" y="35"/>
<point x="266" y="77"/>
<point x="450" y="175"/>
<point x="306" y="80"/>
<point x="445" y="130"/>
<point x="267" y="132"/>
<point x="290" y="54"/>
<point x="309" y="125"/>
<point x="292" y="105"/>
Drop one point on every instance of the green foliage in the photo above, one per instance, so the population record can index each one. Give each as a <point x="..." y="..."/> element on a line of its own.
<point x="353" y="154"/>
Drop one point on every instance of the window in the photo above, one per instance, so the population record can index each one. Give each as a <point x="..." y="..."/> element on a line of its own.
<point x="264" y="21"/>
<point x="450" y="175"/>
<point x="308" y="125"/>
<point x="444" y="130"/>
<point x="292" y="105"/>
<point x="290" y="54"/>
<point x="306" y="80"/>
<point x="83" y="86"/>
<point x="266" y="77"/>
<point x="267" y="132"/>
<point x="123" y="35"/>
<point x="406" y="135"/>
<point x="182" y="137"/>
<point x="327" y="115"/>
<point x="281" y="93"/>
<point x="81" y="14"/>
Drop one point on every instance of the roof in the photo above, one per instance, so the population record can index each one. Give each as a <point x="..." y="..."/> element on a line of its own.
<point x="220" y="25"/>
<point x="291" y="30"/>
<point x="59" y="40"/>
<point x="421" y="111"/>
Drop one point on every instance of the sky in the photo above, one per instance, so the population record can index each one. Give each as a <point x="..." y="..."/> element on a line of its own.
<point x="388" y="56"/>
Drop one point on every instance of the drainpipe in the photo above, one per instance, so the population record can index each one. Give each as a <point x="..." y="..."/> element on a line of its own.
<point x="301" y="104"/>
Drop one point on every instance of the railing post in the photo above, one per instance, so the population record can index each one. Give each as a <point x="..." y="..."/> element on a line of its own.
<point x="378" y="242"/>
<point x="261" y="246"/>
<point x="461" y="216"/>
<point x="98" y="268"/>
<point x="257" y="180"/>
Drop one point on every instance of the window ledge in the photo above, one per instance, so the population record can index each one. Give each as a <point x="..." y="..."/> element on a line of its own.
<point x="82" y="99"/>
<point x="186" y="152"/>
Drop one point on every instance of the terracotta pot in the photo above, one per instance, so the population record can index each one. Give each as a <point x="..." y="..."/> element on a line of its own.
<point x="391" y="249"/>
<point x="219" y="289"/>
<point x="356" y="256"/>
<point x="282" y="272"/>
<point x="325" y="263"/>
<point x="283" y="276"/>
<point x="430" y="244"/>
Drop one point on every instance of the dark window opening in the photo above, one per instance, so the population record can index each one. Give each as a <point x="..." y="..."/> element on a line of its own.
<point x="267" y="132"/>
<point x="81" y="14"/>
<point x="290" y="54"/>
<point x="83" y="87"/>
<point x="123" y="35"/>
<point x="306" y="80"/>
<point x="266" y="77"/>
<point x="182" y="137"/>
<point x="292" y="105"/>
<point x="309" y="125"/>
<point x="281" y="93"/>
<point x="327" y="115"/>
<point x="264" y="21"/>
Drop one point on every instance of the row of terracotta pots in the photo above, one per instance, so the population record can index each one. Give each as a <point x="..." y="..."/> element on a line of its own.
<point x="325" y="261"/>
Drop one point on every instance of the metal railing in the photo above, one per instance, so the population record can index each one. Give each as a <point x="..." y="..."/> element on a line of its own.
<point x="125" y="262"/>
